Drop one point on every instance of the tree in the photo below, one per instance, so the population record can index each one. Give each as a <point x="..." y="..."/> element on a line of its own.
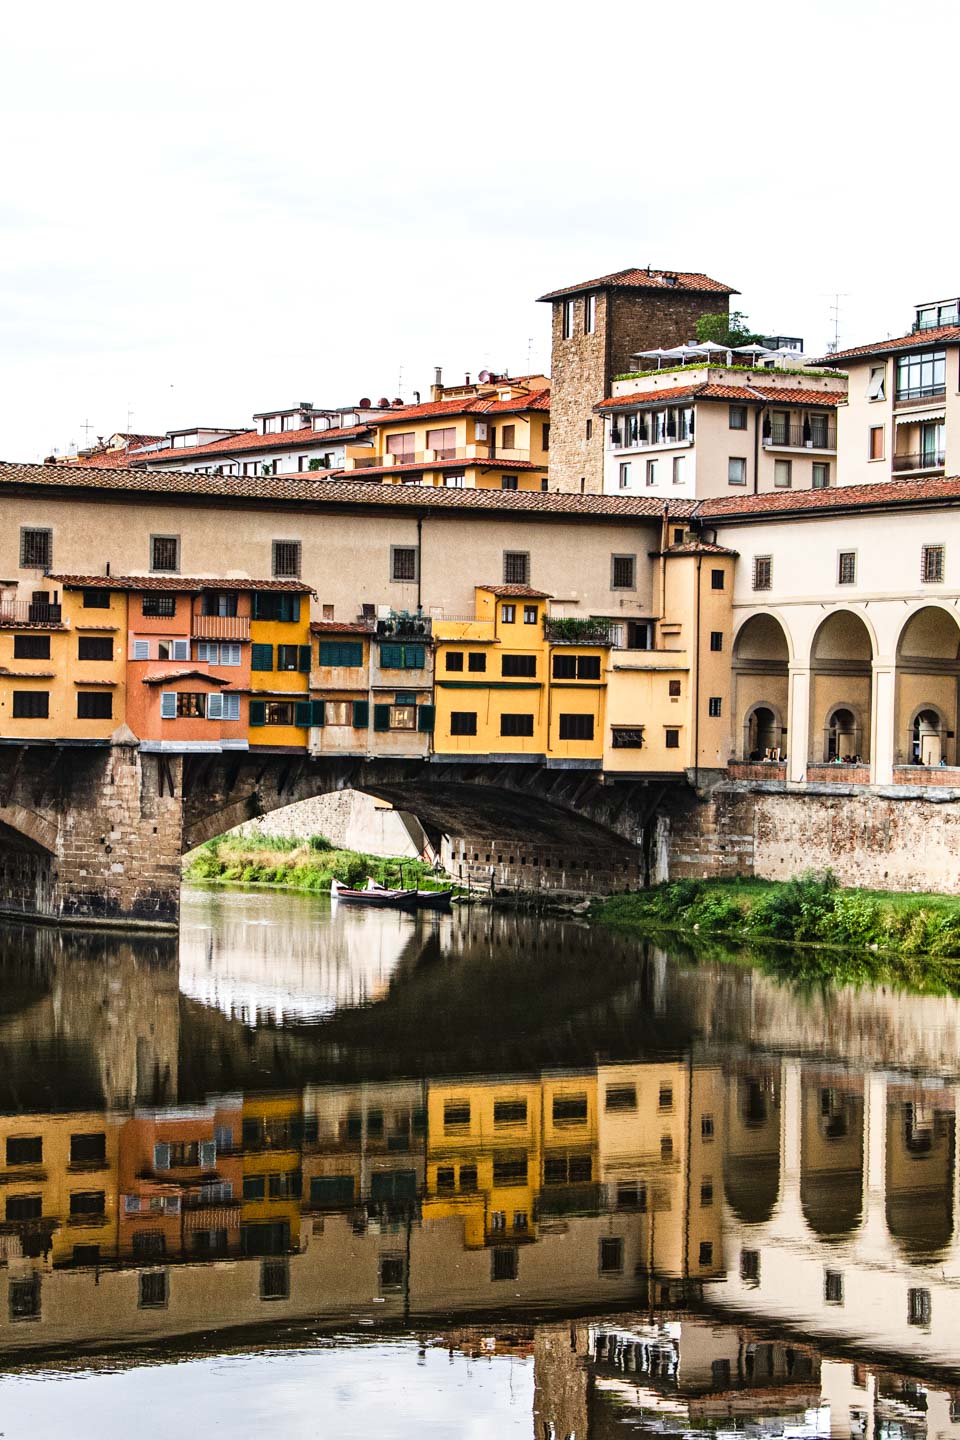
<point x="723" y="329"/>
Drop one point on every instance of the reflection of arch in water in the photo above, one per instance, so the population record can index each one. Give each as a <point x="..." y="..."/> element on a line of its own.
<point x="831" y="1158"/>
<point x="752" y="1172"/>
<point x="919" y="1177"/>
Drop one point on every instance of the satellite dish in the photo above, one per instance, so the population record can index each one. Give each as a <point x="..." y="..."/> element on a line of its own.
<point x="485" y="377"/>
<point x="365" y="403"/>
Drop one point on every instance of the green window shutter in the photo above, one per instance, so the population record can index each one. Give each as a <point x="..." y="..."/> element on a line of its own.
<point x="261" y="657"/>
<point x="425" y="717"/>
<point x="303" y="659"/>
<point x="381" y="717"/>
<point x="391" y="657"/>
<point x="258" y="712"/>
<point x="302" y="714"/>
<point x="319" y="712"/>
<point x="329" y="652"/>
<point x="416" y="657"/>
<point x="361" y="714"/>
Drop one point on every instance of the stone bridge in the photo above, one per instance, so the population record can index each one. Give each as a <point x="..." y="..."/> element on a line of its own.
<point x="96" y="833"/>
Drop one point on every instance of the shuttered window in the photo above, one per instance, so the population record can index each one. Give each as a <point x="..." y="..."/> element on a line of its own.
<point x="361" y="714"/>
<point x="274" y="605"/>
<point x="402" y="657"/>
<point x="261" y="657"/>
<point x="95" y="647"/>
<point x="348" y="654"/>
<point x="31" y="705"/>
<point x="94" y="705"/>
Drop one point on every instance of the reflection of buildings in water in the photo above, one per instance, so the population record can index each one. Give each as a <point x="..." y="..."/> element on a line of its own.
<point x="752" y="1176"/>
<point x="230" y="957"/>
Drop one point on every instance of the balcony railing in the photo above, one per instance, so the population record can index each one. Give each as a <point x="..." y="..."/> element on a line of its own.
<point x="621" y="439"/>
<point x="911" y="393"/>
<point x="480" y="451"/>
<point x="220" y="627"/>
<point x="30" y="612"/>
<point x="572" y="631"/>
<point x="801" y="437"/>
<point x="925" y="460"/>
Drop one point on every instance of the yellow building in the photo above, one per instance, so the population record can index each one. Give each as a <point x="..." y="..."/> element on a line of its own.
<point x="494" y="434"/>
<point x="280" y="662"/>
<point x="59" y="1185"/>
<point x="272" y="1179"/>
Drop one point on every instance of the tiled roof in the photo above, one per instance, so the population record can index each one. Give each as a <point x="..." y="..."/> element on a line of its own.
<point x="916" y="340"/>
<point x="178" y="584"/>
<point x="302" y="492"/>
<point x="342" y="627"/>
<point x="841" y="497"/>
<point x="746" y="394"/>
<point x="252" y="440"/>
<point x="536" y="400"/>
<point x="517" y="592"/>
<point x="160" y="677"/>
<point x="698" y="547"/>
<point x="634" y="279"/>
<point x="27" y="674"/>
<point x="418" y="466"/>
<point x="471" y="405"/>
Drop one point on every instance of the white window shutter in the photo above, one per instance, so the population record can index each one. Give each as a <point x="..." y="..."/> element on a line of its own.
<point x="181" y="649"/>
<point x="168" y="705"/>
<point x="141" y="649"/>
<point x="230" y="655"/>
<point x="215" y="707"/>
<point x="161" y="1156"/>
<point x="208" y="1154"/>
<point x="231" y="707"/>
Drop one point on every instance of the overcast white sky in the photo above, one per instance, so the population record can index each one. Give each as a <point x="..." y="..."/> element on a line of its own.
<point x="213" y="208"/>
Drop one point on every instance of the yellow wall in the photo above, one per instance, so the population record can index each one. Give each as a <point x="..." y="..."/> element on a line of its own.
<point x="294" y="683"/>
<point x="55" y="1178"/>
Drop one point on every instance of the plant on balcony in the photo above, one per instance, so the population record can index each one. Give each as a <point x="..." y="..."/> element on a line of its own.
<point x="574" y="631"/>
<point x="723" y="329"/>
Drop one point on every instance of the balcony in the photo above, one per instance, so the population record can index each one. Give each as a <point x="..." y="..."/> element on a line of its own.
<point x="801" y="436"/>
<point x="30" y="612"/>
<point x="681" y="435"/>
<point x="480" y="452"/>
<point x="571" y="631"/>
<point x="220" y="627"/>
<point x="910" y="395"/>
<point x="924" y="461"/>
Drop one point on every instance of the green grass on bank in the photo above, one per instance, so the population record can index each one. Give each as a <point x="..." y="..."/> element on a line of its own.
<point x="309" y="864"/>
<point x="921" y="931"/>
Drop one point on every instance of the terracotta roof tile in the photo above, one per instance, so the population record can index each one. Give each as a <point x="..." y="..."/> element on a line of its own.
<point x="470" y="405"/>
<point x="653" y="397"/>
<point x="635" y="279"/>
<point x="177" y="584"/>
<point x="301" y="492"/>
<point x="698" y="547"/>
<point x="840" y="497"/>
<point x="823" y="398"/>
<point x="518" y="592"/>
<point x="248" y="441"/>
<point x="342" y="627"/>
<point x="160" y="677"/>
<point x="916" y="340"/>
<point x="417" y="467"/>
<point x="746" y="394"/>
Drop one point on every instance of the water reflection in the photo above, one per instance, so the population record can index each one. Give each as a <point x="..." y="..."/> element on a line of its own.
<point x="510" y="1138"/>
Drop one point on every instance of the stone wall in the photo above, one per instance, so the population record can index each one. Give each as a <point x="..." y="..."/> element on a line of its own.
<point x="511" y="865"/>
<point x="349" y="819"/>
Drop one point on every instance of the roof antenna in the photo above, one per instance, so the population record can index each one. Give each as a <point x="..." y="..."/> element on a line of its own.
<point x="834" y="344"/>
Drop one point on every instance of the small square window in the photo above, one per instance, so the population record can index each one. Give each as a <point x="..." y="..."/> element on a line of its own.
<point x="611" y="1255"/>
<point x="286" y="559"/>
<point x="833" y="1287"/>
<point x="847" y="567"/>
<point x="403" y="562"/>
<point x="673" y="689"/>
<point x="671" y="739"/>
<point x="715" y="707"/>
<point x="623" y="572"/>
<point x="718" y="580"/>
<point x="531" y="614"/>
<point x="716" y="640"/>
<point x="762" y="572"/>
<point x="516" y="567"/>
<point x="738" y="417"/>
<point x="453" y="660"/>
<point x="931" y="565"/>
<point x="477" y="662"/>
<point x="165" y="553"/>
<point x="736" y="470"/>
<point x="36" y="549"/>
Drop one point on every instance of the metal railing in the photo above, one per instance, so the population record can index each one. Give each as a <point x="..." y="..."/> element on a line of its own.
<point x="801" y="436"/>
<point x="32" y="612"/>
<point x="925" y="460"/>
<point x="919" y="392"/>
<point x="620" y="438"/>
<point x="481" y="451"/>
<point x="220" y="627"/>
<point x="571" y="631"/>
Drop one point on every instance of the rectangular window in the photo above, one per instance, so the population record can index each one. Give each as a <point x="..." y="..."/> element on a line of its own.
<point x="158" y="606"/>
<point x="403" y="717"/>
<point x="627" y="737"/>
<point x="165" y="553"/>
<point x="738" y="417"/>
<point x="706" y="1252"/>
<point x="476" y="663"/>
<point x="275" y="1278"/>
<point x="515" y="665"/>
<point x="624" y="474"/>
<point x="191" y="705"/>
<point x="31" y="705"/>
<point x="36" y="549"/>
<point x="443" y="442"/>
<point x="847" y="567"/>
<point x="750" y="1267"/>
<point x="403" y="562"/>
<point x="833" y="1287"/>
<point x="673" y="689"/>
<point x="611" y="1255"/>
<point x="87" y="1202"/>
<point x="503" y="1263"/>
<point x="763" y="572"/>
<point x="463" y="722"/>
<point x="569" y="1109"/>
<point x="508" y="614"/>
<point x="588" y="430"/>
<point x="736" y="470"/>
<point x="508" y="436"/>
<point x="783" y="474"/>
<point x="623" y="572"/>
<point x="25" y="1298"/>
<point x="288" y="657"/>
<point x="402" y="657"/>
<point x="921" y="376"/>
<point x="509" y="1170"/>
<point x="96" y="600"/>
<point x="653" y="471"/>
<point x="714" y="707"/>
<point x="706" y="1127"/>
<point x="88" y="1149"/>
<point x="509" y="1112"/>
<point x="821" y="475"/>
<point x="566" y="319"/>
<point x="153" y="1289"/>
<point x="665" y="1098"/>
<point x="31" y="647"/>
<point x="546" y="435"/>
<point x="516" y="725"/>
<point x="931" y="564"/>
<point x="588" y="667"/>
<point x="564" y="667"/>
<point x="717" y="579"/>
<point x="621" y="1097"/>
<point x="345" y="654"/>
<point x="261" y="657"/>
<point x="286" y="559"/>
<point x="212" y="653"/>
<point x="589" y="314"/>
<point x="509" y="482"/>
<point x="877" y="384"/>
<point x="453" y="660"/>
<point x="94" y="705"/>
<point x="516" y="567"/>
<point x="456" y="1113"/>
<point x="576" y="727"/>
<point x="25" y="1150"/>
<point x="706" y="1194"/>
<point x="679" y="462"/>
<point x="875" y="446"/>
<point x="716" y="640"/>
<point x="919" y="1309"/>
<point x="24" y="1207"/>
<point x="671" y="739"/>
<point x="276" y="605"/>
<point x="95" y="647"/>
<point x="403" y="447"/>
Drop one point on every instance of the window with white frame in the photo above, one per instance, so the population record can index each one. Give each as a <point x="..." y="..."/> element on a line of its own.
<point x="653" y="471"/>
<point x="783" y="474"/>
<point x="679" y="462"/>
<point x="821" y="475"/>
<point x="566" y="320"/>
<point x="847" y="567"/>
<point x="931" y="564"/>
<point x="589" y="314"/>
<point x="624" y="474"/>
<point x="736" y="470"/>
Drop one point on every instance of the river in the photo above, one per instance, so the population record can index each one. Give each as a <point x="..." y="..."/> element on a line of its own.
<point x="357" y="1173"/>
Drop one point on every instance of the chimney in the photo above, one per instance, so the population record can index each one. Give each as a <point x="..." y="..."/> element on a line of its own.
<point x="436" y="389"/>
<point x="466" y="378"/>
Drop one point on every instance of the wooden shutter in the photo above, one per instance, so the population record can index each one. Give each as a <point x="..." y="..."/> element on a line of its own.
<point x="261" y="657"/>
<point x="318" y="712"/>
<point x="391" y="657"/>
<point x="302" y="714"/>
<point x="425" y="718"/>
<point x="168" y="705"/>
<point x="413" y="657"/>
<point x="215" y="706"/>
<point x="381" y="717"/>
<point x="208" y="1154"/>
<point x="303" y="659"/>
<point x="258" y="712"/>
<point x="181" y="649"/>
<point x="361" y="714"/>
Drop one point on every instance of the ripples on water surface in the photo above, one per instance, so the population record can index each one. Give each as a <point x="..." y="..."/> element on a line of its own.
<point x="366" y="1174"/>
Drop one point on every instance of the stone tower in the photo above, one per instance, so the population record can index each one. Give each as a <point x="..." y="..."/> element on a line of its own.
<point x="597" y="326"/>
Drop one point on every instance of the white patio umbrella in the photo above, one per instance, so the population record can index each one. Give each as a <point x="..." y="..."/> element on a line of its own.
<point x="657" y="355"/>
<point x="710" y="347"/>
<point x="754" y="349"/>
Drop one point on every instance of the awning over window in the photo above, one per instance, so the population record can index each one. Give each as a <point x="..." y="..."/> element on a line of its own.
<point x="921" y="417"/>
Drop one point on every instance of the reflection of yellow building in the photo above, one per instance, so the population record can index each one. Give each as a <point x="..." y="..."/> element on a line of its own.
<point x="272" y="1185"/>
<point x="58" y="1186"/>
<point x="363" y="1144"/>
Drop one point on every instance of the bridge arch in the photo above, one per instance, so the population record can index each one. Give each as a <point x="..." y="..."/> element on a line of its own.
<point x="22" y="827"/>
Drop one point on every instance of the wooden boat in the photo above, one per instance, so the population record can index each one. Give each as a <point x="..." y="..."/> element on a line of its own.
<point x="400" y="899"/>
<point x="425" y="899"/>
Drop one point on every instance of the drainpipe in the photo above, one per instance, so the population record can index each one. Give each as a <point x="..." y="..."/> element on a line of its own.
<point x="696" y="683"/>
<point x="419" y="562"/>
<point x="758" y="422"/>
<point x="664" y="542"/>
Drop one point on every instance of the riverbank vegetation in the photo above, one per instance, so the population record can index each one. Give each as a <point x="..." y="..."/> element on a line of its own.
<point x="309" y="864"/>
<point x="921" y="932"/>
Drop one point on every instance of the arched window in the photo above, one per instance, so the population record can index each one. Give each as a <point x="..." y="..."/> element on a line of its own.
<point x="927" y="739"/>
<point x="842" y="735"/>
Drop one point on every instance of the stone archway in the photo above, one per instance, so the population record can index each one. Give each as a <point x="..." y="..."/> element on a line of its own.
<point x="761" y="659"/>
<point x="831" y="1163"/>
<point x="927" y="686"/>
<point x="920" y="1176"/>
<point x="841" y="690"/>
